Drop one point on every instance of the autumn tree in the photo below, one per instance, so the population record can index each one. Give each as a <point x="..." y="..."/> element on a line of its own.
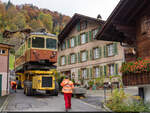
<point x="46" y="19"/>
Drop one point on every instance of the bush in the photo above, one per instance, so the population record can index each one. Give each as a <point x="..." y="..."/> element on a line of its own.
<point x="119" y="103"/>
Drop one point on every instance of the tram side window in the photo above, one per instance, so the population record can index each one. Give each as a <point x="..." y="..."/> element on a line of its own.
<point x="50" y="43"/>
<point x="29" y="42"/>
<point x="38" y="42"/>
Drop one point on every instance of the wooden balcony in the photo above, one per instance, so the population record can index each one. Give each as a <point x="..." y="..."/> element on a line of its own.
<point x="132" y="79"/>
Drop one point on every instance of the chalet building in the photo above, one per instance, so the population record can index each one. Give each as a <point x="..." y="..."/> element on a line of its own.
<point x="4" y="68"/>
<point x="81" y="56"/>
<point x="129" y="24"/>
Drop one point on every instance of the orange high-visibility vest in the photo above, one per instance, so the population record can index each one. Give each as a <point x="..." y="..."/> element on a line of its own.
<point x="67" y="86"/>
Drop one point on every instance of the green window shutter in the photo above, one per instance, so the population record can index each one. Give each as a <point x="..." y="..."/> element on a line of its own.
<point x="91" y="54"/>
<point x="100" y="52"/>
<point x="79" y="74"/>
<point x="59" y="60"/>
<point x="116" y="69"/>
<point x="79" y="40"/>
<point x="79" y="57"/>
<point x="101" y="70"/>
<point x="75" y="42"/>
<point x="65" y="44"/>
<point x="87" y="55"/>
<point x="78" y="27"/>
<point x="115" y="49"/>
<point x="105" y="73"/>
<point x="90" y="76"/>
<point x="86" y="36"/>
<point x="75" y="58"/>
<point x="105" y="51"/>
<point x="68" y="42"/>
<point x="68" y="59"/>
<point x="90" y="36"/>
<point x="99" y="28"/>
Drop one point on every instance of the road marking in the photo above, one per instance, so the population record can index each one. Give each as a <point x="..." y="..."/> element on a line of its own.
<point x="4" y="104"/>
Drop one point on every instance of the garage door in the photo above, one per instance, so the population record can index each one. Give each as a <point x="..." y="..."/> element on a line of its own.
<point x="0" y="85"/>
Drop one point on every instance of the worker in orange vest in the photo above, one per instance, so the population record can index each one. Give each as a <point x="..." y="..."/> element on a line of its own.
<point x="13" y="85"/>
<point x="67" y="90"/>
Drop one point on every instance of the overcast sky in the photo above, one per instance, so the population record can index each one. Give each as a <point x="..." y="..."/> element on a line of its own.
<point x="69" y="7"/>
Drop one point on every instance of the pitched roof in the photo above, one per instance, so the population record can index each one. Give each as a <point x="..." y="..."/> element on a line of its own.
<point x="6" y="45"/>
<point x="121" y="24"/>
<point x="74" y="20"/>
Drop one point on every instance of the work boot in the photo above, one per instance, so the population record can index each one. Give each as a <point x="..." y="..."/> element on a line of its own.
<point x="66" y="110"/>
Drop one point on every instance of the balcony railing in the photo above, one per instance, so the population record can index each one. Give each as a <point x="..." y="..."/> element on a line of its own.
<point x="135" y="79"/>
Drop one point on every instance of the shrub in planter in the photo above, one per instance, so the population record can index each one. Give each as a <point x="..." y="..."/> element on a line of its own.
<point x="91" y="83"/>
<point x="119" y="102"/>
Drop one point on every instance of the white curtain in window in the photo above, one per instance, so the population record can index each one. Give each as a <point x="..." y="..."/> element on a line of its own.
<point x="110" y="50"/>
<point x="72" y="42"/>
<point x="95" y="32"/>
<point x="96" y="53"/>
<point x="84" y="73"/>
<point x="84" y="56"/>
<point x="112" y="69"/>
<point x="83" y="38"/>
<point x="73" y="58"/>
<point x="96" y="72"/>
<point x="63" y="61"/>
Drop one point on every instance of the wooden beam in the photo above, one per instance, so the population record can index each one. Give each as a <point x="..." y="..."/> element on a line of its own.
<point x="135" y="12"/>
<point x="125" y="28"/>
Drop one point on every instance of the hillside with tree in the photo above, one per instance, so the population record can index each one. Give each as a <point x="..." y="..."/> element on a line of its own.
<point x="16" y="17"/>
<point x="20" y="17"/>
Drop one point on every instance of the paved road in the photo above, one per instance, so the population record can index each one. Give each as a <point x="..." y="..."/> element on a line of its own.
<point x="19" y="102"/>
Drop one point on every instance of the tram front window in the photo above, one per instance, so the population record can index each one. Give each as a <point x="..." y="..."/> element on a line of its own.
<point x="38" y="42"/>
<point x="50" y="43"/>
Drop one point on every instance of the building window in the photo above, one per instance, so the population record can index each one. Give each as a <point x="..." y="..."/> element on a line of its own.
<point x="96" y="53"/>
<point x="2" y="51"/>
<point x="94" y="32"/>
<point x="72" y="42"/>
<point x="83" y="38"/>
<point x="83" y="25"/>
<point x="63" y="46"/>
<point x="84" y="73"/>
<point x="96" y="72"/>
<point x="84" y="56"/>
<point x="110" y="49"/>
<point x="73" y="58"/>
<point x="63" y="60"/>
<point x="111" y="69"/>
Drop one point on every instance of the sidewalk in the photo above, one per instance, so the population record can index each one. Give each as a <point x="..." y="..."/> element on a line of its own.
<point x="2" y="100"/>
<point x="100" y="93"/>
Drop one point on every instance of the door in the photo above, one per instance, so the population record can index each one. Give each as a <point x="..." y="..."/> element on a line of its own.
<point x="0" y="85"/>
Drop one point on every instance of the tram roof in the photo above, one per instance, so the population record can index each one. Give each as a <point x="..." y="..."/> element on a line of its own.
<point x="43" y="33"/>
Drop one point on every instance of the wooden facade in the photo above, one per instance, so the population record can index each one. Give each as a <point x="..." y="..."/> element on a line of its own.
<point x="129" y="23"/>
<point x="4" y="68"/>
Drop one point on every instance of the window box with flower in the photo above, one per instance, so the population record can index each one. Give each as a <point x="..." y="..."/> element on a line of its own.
<point x="136" y="73"/>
